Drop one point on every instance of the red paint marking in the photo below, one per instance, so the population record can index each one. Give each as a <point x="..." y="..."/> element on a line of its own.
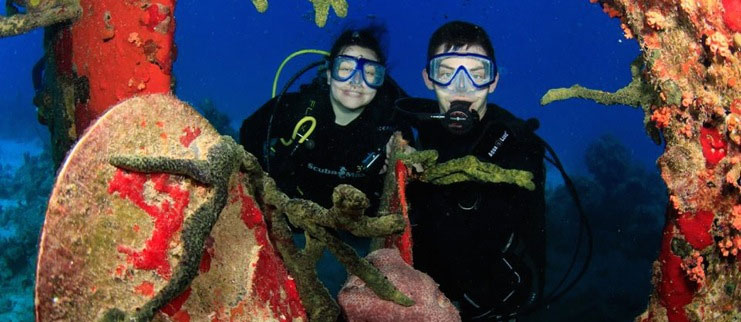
<point x="189" y="135"/>
<point x="144" y="123"/>
<point x="270" y="274"/>
<point x="696" y="228"/>
<point x="136" y="228"/>
<point x="163" y="135"/>
<point x="714" y="147"/>
<point x="174" y="306"/>
<point x="675" y="290"/>
<point x="167" y="218"/>
<point x="145" y="289"/>
<point x="159" y="124"/>
<point x="208" y="253"/>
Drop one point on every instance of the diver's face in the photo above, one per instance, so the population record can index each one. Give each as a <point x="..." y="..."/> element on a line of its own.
<point x="353" y="93"/>
<point x="447" y="94"/>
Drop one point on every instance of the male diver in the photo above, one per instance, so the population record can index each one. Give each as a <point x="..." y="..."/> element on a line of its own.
<point x="483" y="243"/>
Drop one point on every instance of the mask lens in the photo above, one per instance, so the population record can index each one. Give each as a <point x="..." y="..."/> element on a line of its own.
<point x="345" y="67"/>
<point x="373" y="73"/>
<point x="481" y="75"/>
<point x="444" y="68"/>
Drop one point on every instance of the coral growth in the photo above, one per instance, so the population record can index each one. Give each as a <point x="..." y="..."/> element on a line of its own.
<point x="320" y="225"/>
<point x="321" y="9"/>
<point x="661" y="116"/>
<point x="693" y="267"/>
<point x="730" y="246"/>
<point x="39" y="13"/>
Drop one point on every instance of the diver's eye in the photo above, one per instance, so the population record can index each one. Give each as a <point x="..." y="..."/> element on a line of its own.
<point x="445" y="74"/>
<point x="370" y="70"/>
<point x="344" y="71"/>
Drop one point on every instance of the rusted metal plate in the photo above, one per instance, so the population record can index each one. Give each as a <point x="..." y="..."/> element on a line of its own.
<point x="113" y="238"/>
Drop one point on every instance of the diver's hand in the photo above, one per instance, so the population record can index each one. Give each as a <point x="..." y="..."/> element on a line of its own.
<point x="406" y="149"/>
<point x="385" y="167"/>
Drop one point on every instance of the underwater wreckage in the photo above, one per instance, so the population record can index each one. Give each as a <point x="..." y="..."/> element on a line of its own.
<point x="686" y="80"/>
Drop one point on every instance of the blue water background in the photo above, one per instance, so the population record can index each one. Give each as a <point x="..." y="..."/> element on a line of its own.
<point x="228" y="53"/>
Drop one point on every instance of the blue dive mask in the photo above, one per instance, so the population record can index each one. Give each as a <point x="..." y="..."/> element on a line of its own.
<point x="462" y="72"/>
<point x="346" y="68"/>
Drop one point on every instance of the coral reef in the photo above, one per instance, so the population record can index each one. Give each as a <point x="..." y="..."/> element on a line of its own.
<point x="689" y="67"/>
<point x="26" y="191"/>
<point x="360" y="303"/>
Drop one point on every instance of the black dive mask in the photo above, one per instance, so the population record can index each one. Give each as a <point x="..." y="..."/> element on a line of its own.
<point x="459" y="119"/>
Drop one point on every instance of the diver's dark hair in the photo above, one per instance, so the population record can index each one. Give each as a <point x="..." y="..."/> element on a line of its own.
<point x="368" y="37"/>
<point x="459" y="34"/>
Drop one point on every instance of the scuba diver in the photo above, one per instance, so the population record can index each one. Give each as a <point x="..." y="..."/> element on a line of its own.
<point x="333" y="131"/>
<point x="484" y="243"/>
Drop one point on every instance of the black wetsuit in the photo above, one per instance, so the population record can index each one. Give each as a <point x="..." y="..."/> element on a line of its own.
<point x="483" y="243"/>
<point x="333" y="154"/>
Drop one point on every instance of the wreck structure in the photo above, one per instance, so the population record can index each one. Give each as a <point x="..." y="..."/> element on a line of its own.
<point x="686" y="80"/>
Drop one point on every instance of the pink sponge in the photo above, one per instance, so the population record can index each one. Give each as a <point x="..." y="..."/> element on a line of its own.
<point x="360" y="304"/>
